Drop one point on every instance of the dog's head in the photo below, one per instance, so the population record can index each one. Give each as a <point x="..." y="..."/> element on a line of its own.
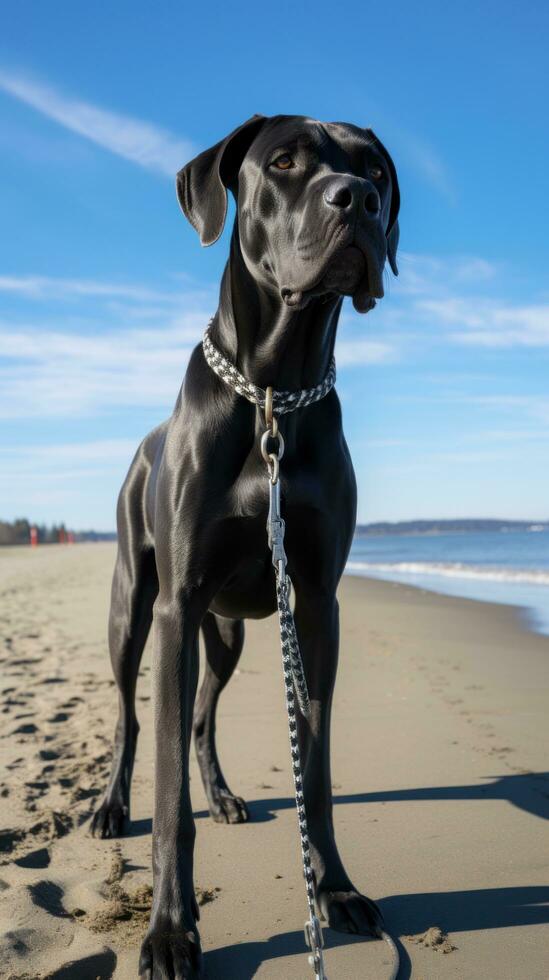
<point x="317" y="205"/>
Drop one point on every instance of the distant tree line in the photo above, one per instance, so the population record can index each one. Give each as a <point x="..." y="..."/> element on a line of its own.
<point x="19" y="532"/>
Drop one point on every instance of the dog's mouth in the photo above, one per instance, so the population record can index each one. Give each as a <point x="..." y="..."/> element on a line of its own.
<point x="350" y="273"/>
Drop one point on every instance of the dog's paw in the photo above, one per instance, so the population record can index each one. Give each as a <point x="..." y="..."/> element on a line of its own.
<point x="349" y="911"/>
<point x="229" y="809"/>
<point x="170" y="954"/>
<point x="110" y="820"/>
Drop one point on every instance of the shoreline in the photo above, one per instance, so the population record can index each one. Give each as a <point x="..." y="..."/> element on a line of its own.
<point x="534" y="615"/>
<point x="439" y="774"/>
<point x="529" y="599"/>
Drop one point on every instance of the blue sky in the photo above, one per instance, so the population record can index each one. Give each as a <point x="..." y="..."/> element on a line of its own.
<point x="104" y="288"/>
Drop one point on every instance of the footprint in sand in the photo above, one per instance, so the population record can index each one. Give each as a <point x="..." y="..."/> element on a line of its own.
<point x="49" y="896"/>
<point x="18" y="941"/>
<point x="51" y="824"/>
<point x="14" y="702"/>
<point x="29" y="728"/>
<point x="72" y="702"/>
<point x="37" y="860"/>
<point x="9" y="838"/>
<point x="100" y="965"/>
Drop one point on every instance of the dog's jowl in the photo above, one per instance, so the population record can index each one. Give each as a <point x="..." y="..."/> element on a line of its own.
<point x="316" y="220"/>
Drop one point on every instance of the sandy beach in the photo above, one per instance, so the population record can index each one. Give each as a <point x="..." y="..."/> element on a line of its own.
<point x="440" y="784"/>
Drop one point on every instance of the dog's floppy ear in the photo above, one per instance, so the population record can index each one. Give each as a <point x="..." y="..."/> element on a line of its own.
<point x="202" y="185"/>
<point x="392" y="232"/>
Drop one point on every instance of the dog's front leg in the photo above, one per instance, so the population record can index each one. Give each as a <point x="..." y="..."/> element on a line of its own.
<point x="172" y="947"/>
<point x="344" y="908"/>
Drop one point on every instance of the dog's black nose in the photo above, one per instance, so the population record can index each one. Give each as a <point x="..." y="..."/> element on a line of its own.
<point x="346" y="194"/>
<point x="339" y="194"/>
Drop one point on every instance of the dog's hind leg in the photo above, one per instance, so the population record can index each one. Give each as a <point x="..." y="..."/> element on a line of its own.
<point x="134" y="589"/>
<point x="223" y="641"/>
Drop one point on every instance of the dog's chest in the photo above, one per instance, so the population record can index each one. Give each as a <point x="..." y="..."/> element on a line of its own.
<point x="301" y="487"/>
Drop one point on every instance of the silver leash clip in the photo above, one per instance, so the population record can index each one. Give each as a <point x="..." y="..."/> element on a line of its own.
<point x="276" y="528"/>
<point x="275" y="524"/>
<point x="315" y="942"/>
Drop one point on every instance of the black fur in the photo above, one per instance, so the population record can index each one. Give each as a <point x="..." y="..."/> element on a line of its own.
<point x="192" y="513"/>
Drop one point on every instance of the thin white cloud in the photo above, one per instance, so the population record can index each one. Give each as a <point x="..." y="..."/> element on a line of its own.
<point x="422" y="274"/>
<point x="384" y="443"/>
<point x="145" y="144"/>
<point x="50" y="287"/>
<point x="45" y="372"/>
<point x="157" y="149"/>
<point x="531" y="407"/>
<point x="358" y="353"/>
<point x="466" y="295"/>
<point x="58" y="462"/>
<point x="136" y="358"/>
<point x="71" y="369"/>
<point x="441" y="462"/>
<point x="490" y="323"/>
<point x="510" y="435"/>
<point x="429" y="163"/>
<point x="53" y="373"/>
<point x="418" y="153"/>
<point x="74" y="482"/>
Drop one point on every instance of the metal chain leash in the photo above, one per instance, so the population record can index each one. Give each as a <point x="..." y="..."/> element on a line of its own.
<point x="295" y="683"/>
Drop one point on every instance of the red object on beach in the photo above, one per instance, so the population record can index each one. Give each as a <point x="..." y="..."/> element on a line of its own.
<point x="34" y="537"/>
<point x="62" y="536"/>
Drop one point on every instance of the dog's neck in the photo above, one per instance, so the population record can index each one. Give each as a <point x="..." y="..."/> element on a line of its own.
<point x="270" y="343"/>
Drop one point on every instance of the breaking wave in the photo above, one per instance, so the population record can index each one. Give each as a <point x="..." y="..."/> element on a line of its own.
<point x="485" y="573"/>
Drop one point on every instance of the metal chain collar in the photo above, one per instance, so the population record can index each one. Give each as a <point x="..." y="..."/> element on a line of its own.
<point x="283" y="401"/>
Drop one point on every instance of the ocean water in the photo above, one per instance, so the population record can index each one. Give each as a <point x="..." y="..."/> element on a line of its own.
<point x="510" y="567"/>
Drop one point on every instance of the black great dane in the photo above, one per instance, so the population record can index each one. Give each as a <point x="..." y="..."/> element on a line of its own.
<point x="317" y="217"/>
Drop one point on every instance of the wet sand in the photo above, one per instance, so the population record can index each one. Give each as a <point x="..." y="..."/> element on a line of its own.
<point x="440" y="784"/>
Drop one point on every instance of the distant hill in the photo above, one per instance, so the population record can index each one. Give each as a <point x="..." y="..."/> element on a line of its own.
<point x="469" y="525"/>
<point x="449" y="527"/>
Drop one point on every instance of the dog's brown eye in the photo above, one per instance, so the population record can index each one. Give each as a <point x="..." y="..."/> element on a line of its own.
<point x="283" y="162"/>
<point x="376" y="173"/>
